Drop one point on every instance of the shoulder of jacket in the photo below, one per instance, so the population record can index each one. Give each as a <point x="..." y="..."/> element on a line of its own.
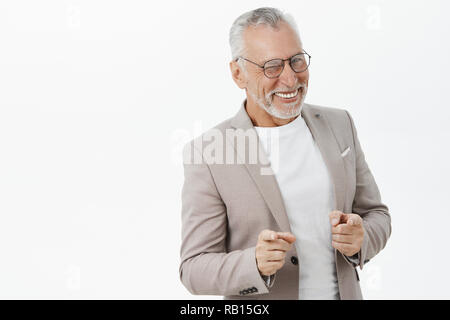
<point x="328" y="111"/>
<point x="335" y="116"/>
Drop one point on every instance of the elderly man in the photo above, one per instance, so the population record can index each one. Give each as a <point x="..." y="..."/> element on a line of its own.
<point x="297" y="222"/>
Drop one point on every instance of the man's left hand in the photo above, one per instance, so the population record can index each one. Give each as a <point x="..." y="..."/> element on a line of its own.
<point x="347" y="232"/>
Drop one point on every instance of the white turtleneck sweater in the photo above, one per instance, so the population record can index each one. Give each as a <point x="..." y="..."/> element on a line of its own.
<point x="307" y="191"/>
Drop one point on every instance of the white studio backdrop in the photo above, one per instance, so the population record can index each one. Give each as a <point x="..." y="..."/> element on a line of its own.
<point x="97" y="98"/>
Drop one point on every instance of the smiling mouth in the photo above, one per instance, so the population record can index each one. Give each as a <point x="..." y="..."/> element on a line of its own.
<point x="289" y="95"/>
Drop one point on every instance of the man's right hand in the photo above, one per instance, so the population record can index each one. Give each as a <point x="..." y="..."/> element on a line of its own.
<point x="271" y="250"/>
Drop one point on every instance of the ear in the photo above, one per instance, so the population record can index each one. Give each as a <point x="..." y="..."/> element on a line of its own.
<point x="238" y="75"/>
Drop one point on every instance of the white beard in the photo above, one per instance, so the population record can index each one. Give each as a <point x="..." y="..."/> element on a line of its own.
<point x="288" y="110"/>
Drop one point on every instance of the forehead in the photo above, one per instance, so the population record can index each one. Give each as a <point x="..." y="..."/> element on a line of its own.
<point x="263" y="42"/>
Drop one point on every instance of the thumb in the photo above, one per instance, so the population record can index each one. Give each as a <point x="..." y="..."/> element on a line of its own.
<point x="268" y="235"/>
<point x="351" y="219"/>
<point x="287" y="236"/>
<point x="335" y="217"/>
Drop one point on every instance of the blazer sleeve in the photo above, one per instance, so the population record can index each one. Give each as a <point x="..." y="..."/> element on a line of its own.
<point x="206" y="267"/>
<point x="367" y="203"/>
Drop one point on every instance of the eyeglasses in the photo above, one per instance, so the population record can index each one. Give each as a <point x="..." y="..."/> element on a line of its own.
<point x="273" y="68"/>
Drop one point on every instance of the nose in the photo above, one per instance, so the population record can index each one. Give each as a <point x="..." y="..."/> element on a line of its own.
<point x="288" y="77"/>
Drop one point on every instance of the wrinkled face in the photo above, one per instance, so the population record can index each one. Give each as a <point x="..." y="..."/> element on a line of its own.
<point x="281" y="97"/>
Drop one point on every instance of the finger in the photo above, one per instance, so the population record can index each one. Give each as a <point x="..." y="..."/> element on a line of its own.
<point x="342" y="229"/>
<point x="268" y="235"/>
<point x="278" y="244"/>
<point x="287" y="236"/>
<point x="353" y="219"/>
<point x="342" y="238"/>
<point x="344" y="248"/>
<point x="276" y="255"/>
<point x="335" y="217"/>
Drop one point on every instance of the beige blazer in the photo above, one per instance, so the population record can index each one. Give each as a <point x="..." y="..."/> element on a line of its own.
<point x="225" y="206"/>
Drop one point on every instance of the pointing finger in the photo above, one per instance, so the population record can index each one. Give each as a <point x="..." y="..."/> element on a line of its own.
<point x="287" y="236"/>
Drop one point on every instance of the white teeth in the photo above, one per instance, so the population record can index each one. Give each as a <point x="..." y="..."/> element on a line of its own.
<point x="286" y="96"/>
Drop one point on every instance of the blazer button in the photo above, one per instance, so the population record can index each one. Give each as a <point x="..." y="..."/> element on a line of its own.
<point x="294" y="260"/>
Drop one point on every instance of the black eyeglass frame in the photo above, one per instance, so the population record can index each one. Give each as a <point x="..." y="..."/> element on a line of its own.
<point x="283" y="60"/>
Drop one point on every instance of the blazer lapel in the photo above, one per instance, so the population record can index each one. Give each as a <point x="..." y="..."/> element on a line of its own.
<point x="266" y="183"/>
<point x="329" y="149"/>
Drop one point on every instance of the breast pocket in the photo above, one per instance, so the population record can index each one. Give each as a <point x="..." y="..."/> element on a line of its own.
<point x="346" y="152"/>
<point x="348" y="158"/>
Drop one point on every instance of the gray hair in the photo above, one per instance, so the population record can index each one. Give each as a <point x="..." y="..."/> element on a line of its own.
<point x="261" y="16"/>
